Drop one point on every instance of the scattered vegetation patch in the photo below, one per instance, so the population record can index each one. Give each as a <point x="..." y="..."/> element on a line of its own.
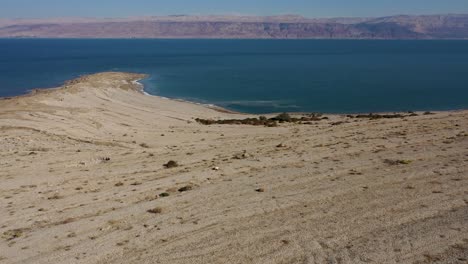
<point x="164" y="194"/>
<point x="338" y="123"/>
<point x="246" y="121"/>
<point x="144" y="145"/>
<point x="264" y="121"/>
<point x="380" y="116"/>
<point x="66" y="221"/>
<point x="185" y="188"/>
<point x="397" y="162"/>
<point x="56" y="196"/>
<point x="12" y="234"/>
<point x="156" y="210"/>
<point x="242" y="155"/>
<point x="122" y="243"/>
<point x="284" y="117"/>
<point x="39" y="149"/>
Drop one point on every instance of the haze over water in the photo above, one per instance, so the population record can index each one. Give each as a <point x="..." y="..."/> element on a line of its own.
<point x="258" y="76"/>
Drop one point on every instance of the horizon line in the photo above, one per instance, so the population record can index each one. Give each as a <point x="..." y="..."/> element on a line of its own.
<point x="231" y="15"/>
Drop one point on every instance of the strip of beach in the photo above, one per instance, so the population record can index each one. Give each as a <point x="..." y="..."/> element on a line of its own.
<point x="96" y="171"/>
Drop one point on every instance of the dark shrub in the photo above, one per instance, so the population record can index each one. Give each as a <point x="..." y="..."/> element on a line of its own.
<point x="283" y="117"/>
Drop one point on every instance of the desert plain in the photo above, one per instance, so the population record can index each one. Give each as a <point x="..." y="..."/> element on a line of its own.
<point x="96" y="171"/>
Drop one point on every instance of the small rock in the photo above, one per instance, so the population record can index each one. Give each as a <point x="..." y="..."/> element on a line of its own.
<point x="260" y="190"/>
<point x="171" y="164"/>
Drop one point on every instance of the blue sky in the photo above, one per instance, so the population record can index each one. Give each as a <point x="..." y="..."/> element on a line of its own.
<point x="309" y="8"/>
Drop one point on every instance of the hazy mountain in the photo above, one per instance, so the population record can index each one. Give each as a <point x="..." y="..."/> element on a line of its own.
<point x="287" y="26"/>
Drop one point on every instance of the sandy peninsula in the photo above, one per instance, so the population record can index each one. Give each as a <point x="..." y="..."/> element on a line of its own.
<point x="86" y="177"/>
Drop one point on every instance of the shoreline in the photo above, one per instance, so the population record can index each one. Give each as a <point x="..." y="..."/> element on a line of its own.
<point x="98" y="172"/>
<point x="140" y="87"/>
<point x="210" y="106"/>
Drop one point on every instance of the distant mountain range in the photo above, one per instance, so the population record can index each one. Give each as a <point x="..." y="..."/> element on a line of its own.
<point x="271" y="27"/>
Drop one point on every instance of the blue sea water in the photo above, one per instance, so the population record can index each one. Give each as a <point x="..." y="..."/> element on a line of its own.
<point x="257" y="76"/>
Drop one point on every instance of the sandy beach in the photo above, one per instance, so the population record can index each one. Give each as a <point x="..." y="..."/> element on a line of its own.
<point x="86" y="177"/>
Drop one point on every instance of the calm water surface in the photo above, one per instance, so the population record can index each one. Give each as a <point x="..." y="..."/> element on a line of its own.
<point x="258" y="76"/>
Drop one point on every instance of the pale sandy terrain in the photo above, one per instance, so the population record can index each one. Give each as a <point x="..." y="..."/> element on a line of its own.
<point x="81" y="166"/>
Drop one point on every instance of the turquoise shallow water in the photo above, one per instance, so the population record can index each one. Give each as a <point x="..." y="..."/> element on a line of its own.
<point x="258" y="76"/>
